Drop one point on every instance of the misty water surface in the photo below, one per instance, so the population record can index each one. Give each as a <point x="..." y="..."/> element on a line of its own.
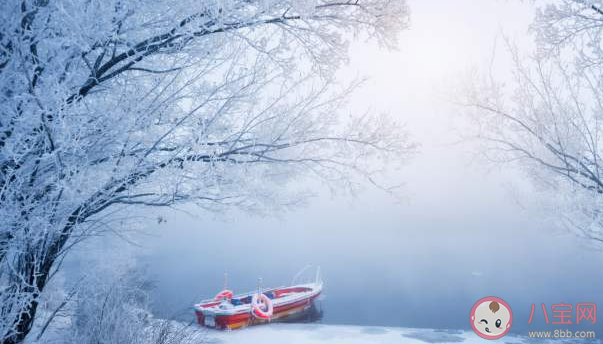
<point x="421" y="270"/>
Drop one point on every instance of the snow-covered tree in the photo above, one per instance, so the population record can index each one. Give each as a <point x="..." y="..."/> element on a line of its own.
<point x="112" y="103"/>
<point x="548" y="118"/>
<point x="115" y="308"/>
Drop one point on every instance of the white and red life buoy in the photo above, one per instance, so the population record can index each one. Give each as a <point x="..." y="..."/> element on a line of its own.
<point x="261" y="306"/>
<point x="224" y="295"/>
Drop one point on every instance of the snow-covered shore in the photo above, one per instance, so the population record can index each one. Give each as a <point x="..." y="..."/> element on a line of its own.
<point x="339" y="334"/>
<point x="281" y="333"/>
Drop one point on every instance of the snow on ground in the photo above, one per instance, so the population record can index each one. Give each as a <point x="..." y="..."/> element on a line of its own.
<point x="279" y="333"/>
<point x="339" y="334"/>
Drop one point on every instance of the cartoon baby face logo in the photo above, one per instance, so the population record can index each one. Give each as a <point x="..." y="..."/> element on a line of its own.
<point x="491" y="317"/>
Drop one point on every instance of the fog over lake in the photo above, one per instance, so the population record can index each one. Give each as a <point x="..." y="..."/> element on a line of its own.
<point x="411" y="270"/>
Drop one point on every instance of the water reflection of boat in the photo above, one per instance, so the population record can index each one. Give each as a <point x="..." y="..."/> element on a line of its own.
<point x="295" y="303"/>
<point x="311" y="315"/>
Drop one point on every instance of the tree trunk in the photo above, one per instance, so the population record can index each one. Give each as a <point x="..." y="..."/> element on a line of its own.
<point x="32" y="276"/>
<point x="24" y="324"/>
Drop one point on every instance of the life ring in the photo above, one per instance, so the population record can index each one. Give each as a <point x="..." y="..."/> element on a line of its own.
<point x="224" y="295"/>
<point x="261" y="306"/>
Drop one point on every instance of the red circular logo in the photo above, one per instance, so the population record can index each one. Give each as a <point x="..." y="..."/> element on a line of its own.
<point x="491" y="317"/>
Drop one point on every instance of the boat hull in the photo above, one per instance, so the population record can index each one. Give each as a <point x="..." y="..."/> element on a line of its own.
<point x="282" y="312"/>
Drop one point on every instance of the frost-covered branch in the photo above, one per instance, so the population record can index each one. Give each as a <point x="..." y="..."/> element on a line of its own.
<point x="548" y="122"/>
<point x="108" y="104"/>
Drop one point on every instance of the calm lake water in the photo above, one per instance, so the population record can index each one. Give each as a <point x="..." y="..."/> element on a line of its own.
<point x="406" y="274"/>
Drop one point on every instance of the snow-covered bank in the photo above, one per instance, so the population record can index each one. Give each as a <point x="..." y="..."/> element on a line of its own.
<point x="173" y="332"/>
<point x="335" y="334"/>
<point x="338" y="334"/>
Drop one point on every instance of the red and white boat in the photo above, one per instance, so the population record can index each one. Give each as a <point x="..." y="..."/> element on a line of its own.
<point x="228" y="312"/>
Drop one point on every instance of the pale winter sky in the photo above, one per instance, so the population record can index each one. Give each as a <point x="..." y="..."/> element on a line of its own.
<point x="459" y="235"/>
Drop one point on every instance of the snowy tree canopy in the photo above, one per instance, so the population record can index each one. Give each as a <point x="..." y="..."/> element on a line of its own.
<point x="112" y="103"/>
<point x="547" y="120"/>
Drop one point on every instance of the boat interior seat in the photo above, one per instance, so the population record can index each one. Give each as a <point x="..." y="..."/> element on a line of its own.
<point x="247" y="299"/>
